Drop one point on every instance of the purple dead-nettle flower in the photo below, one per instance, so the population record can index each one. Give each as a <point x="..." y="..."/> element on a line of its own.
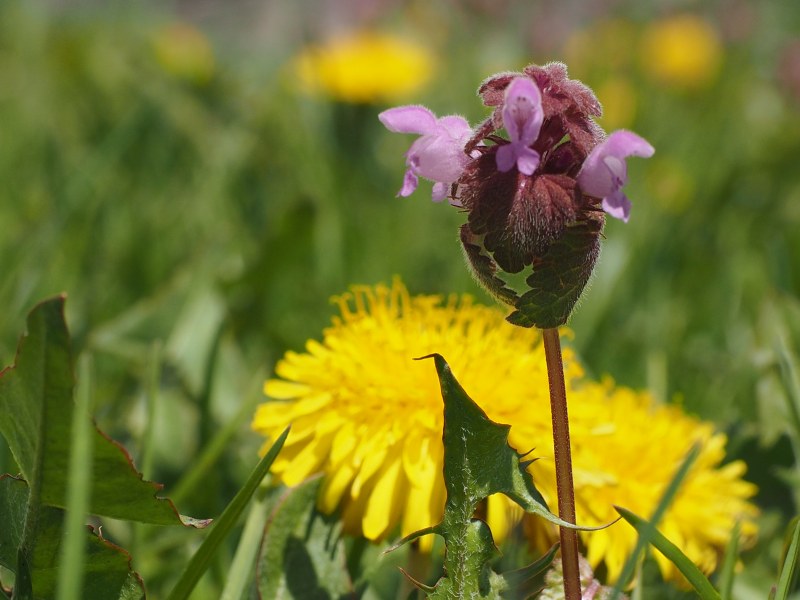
<point x="438" y="154"/>
<point x="604" y="171"/>
<point x="522" y="118"/>
<point x="536" y="199"/>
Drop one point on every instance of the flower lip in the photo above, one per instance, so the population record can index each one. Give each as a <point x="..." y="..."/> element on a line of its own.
<point x="522" y="118"/>
<point x="604" y="171"/>
<point x="438" y="154"/>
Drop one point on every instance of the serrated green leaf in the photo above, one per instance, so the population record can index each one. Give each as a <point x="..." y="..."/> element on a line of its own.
<point x="559" y="277"/>
<point x="478" y="462"/>
<point x="693" y="575"/>
<point x="108" y="573"/>
<point x="38" y="392"/>
<point x="301" y="556"/>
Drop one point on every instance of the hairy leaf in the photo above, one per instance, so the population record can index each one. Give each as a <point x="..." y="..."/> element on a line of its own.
<point x="559" y="276"/>
<point x="478" y="462"/>
<point x="484" y="268"/>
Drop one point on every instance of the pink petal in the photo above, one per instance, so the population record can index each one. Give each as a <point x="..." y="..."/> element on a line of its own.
<point x="409" y="119"/>
<point x="457" y="127"/>
<point x="618" y="206"/>
<point x="410" y="182"/>
<point x="522" y="113"/>
<point x="440" y="191"/>
<point x="527" y="160"/>
<point x="623" y="143"/>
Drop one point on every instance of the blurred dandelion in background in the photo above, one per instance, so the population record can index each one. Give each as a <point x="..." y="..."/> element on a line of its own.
<point x="370" y="418"/>
<point x="683" y="51"/>
<point x="184" y="52"/>
<point x="364" y="67"/>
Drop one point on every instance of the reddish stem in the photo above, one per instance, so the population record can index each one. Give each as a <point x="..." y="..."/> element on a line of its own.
<point x="563" y="456"/>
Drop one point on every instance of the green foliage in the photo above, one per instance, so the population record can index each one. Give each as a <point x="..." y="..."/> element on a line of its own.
<point x="170" y="210"/>
<point x="559" y="277"/>
<point x="38" y="391"/>
<point x="302" y="555"/>
<point x="695" y="577"/>
<point x="222" y="526"/>
<point x="36" y="401"/>
<point x="478" y="462"/>
<point x="789" y="567"/>
<point x="30" y="547"/>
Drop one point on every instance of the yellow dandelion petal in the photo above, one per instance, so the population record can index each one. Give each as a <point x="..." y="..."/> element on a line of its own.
<point x="503" y="514"/>
<point x="284" y="390"/>
<point x="385" y="500"/>
<point x="369" y="417"/>
<point x="335" y="486"/>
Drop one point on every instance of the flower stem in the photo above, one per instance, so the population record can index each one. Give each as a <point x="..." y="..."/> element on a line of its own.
<point x="563" y="456"/>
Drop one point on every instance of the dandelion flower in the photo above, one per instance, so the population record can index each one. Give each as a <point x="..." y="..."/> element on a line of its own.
<point x="626" y="450"/>
<point x="370" y="418"/>
<point x="683" y="51"/>
<point x="184" y="52"/>
<point x="365" y="67"/>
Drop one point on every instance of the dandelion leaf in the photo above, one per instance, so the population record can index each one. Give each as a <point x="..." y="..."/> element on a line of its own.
<point x="302" y="555"/>
<point x="559" y="276"/>
<point x="33" y="554"/>
<point x="478" y="462"/>
<point x="36" y="406"/>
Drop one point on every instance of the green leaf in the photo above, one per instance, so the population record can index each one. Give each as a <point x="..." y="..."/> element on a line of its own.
<point x="559" y="276"/>
<point x="789" y="564"/>
<point x="478" y="462"/>
<point x="107" y="568"/>
<point x="222" y="526"/>
<point x="729" y="565"/>
<point x="38" y="392"/>
<point x="301" y="556"/>
<point x="517" y="581"/>
<point x="694" y="575"/>
<point x="663" y="504"/>
<point x="485" y="268"/>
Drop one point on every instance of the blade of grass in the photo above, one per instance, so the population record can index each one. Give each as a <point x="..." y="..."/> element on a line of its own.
<point x="694" y="575"/>
<point x="240" y="573"/>
<point x="73" y="545"/>
<point x="663" y="504"/>
<point x="729" y="566"/>
<point x="789" y="565"/>
<point x="222" y="526"/>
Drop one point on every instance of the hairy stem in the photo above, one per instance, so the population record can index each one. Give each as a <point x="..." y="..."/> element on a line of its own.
<point x="563" y="456"/>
